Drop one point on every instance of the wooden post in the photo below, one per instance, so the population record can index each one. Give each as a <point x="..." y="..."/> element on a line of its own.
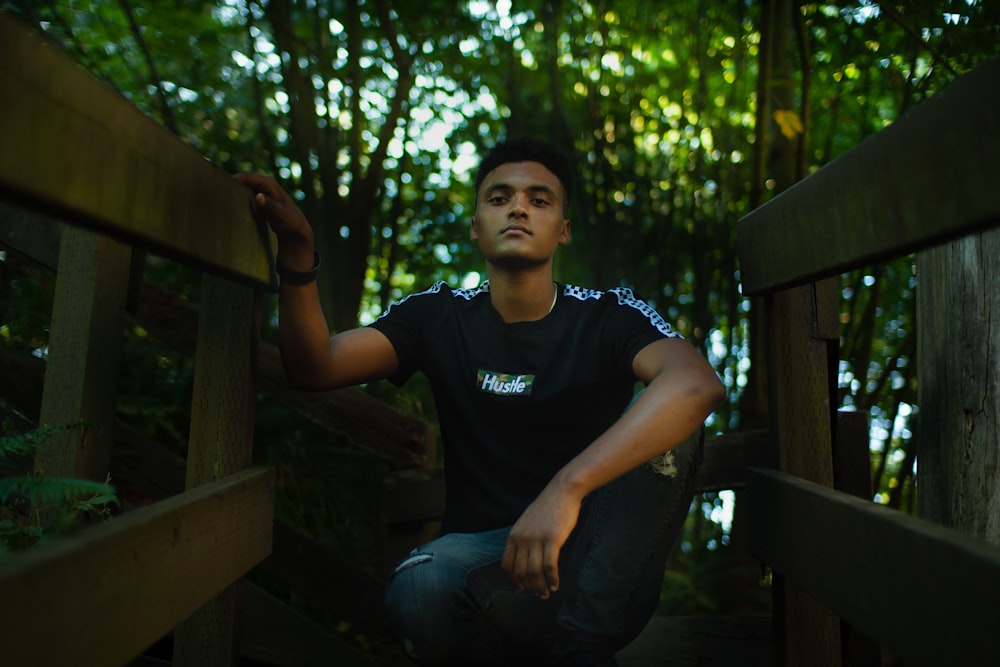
<point x="81" y="375"/>
<point x="958" y="348"/>
<point x="801" y="322"/>
<point x="852" y="472"/>
<point x="220" y="444"/>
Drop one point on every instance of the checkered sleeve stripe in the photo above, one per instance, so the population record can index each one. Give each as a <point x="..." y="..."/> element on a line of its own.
<point x="433" y="289"/>
<point x="628" y="299"/>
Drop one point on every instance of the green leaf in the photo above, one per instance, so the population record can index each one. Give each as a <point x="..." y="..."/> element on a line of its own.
<point x="49" y="490"/>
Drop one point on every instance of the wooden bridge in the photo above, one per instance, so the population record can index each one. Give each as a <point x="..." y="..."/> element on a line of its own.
<point x="86" y="182"/>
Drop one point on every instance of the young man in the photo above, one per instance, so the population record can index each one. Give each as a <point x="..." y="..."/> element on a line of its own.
<point x="561" y="504"/>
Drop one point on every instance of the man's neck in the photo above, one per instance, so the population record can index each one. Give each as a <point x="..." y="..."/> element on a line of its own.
<point x="522" y="296"/>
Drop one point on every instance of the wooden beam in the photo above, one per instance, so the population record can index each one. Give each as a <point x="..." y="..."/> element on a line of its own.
<point x="76" y="147"/>
<point x="221" y="443"/>
<point x="81" y="374"/>
<point x="928" y="593"/>
<point x="110" y="591"/>
<point x="34" y="235"/>
<point x="930" y="176"/>
<point x="798" y="372"/>
<point x="363" y="421"/>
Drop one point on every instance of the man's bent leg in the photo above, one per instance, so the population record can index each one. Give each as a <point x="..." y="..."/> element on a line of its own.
<point x="448" y="602"/>
<point x="617" y="555"/>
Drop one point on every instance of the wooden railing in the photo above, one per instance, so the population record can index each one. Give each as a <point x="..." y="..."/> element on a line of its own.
<point x="925" y="593"/>
<point x="77" y="150"/>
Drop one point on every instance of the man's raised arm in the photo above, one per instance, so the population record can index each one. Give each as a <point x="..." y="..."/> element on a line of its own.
<point x="312" y="359"/>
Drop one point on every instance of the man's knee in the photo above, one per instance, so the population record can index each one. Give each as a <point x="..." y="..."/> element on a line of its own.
<point x="419" y="605"/>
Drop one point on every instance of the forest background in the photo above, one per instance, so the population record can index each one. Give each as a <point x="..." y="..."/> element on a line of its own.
<point x="681" y="118"/>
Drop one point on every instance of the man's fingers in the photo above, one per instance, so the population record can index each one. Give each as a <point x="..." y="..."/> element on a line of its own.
<point x="509" y="562"/>
<point x="535" y="574"/>
<point x="552" y="567"/>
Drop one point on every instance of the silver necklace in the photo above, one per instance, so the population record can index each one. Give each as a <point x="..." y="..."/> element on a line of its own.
<point x="555" y="295"/>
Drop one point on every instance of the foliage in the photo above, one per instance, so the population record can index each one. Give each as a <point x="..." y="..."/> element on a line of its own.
<point x="323" y="487"/>
<point x="35" y="507"/>
<point x="372" y="113"/>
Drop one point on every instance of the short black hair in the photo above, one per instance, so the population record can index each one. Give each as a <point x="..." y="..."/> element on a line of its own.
<point x="525" y="149"/>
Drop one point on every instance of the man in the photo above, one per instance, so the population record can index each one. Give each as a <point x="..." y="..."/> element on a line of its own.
<point x="561" y="504"/>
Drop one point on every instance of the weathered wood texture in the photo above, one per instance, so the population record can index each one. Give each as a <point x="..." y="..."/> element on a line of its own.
<point x="800" y="377"/>
<point x="361" y="420"/>
<point x="81" y="374"/>
<point x="220" y="444"/>
<point x="958" y="311"/>
<point x="80" y="148"/>
<point x="925" y="178"/>
<point x="852" y="474"/>
<point x="927" y="592"/>
<point x="30" y="233"/>
<point x="112" y="590"/>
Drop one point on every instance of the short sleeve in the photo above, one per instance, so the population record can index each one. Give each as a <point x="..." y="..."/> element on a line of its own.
<point x="404" y="323"/>
<point x="635" y="324"/>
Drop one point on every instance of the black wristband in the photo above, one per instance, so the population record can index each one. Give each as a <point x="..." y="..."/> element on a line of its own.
<point x="298" y="277"/>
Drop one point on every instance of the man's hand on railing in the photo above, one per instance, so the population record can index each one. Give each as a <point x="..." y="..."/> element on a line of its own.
<point x="295" y="235"/>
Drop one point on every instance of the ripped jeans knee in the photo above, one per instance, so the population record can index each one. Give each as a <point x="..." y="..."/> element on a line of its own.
<point x="438" y="597"/>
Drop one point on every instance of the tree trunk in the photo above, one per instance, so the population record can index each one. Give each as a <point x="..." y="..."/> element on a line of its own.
<point x="959" y="365"/>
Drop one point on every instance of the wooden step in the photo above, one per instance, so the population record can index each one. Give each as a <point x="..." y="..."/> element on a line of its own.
<point x="701" y="641"/>
<point x="275" y="634"/>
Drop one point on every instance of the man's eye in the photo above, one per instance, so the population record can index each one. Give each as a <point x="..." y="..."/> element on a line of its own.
<point x="498" y="199"/>
<point x="538" y="201"/>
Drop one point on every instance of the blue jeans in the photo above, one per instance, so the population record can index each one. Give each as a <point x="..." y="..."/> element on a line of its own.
<point x="449" y="603"/>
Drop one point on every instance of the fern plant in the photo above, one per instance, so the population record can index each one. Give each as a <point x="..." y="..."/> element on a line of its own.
<point x="34" y="507"/>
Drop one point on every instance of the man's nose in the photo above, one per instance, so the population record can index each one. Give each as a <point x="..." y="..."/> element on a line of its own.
<point x="517" y="208"/>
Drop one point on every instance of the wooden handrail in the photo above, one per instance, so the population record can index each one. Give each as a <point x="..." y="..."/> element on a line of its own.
<point x="109" y="592"/>
<point x="82" y="150"/>
<point x="927" y="592"/>
<point x="923" y="180"/>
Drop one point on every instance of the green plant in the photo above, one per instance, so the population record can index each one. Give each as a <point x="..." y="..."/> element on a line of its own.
<point x="35" y="507"/>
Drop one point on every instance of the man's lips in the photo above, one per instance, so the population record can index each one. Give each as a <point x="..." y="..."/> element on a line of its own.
<point x="516" y="228"/>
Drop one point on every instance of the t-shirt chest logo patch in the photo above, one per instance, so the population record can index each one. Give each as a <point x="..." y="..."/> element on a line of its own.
<point x="504" y="384"/>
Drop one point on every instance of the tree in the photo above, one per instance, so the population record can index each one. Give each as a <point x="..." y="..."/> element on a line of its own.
<point x="372" y="112"/>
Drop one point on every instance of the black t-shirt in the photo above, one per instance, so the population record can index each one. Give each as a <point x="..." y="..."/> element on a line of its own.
<point x="517" y="401"/>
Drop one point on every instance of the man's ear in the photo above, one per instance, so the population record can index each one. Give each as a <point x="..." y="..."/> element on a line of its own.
<point x="474" y="229"/>
<point x="565" y="236"/>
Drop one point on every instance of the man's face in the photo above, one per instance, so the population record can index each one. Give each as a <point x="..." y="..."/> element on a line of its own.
<point x="519" y="218"/>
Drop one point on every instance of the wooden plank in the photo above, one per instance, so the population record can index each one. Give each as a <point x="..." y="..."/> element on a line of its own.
<point x="799" y="375"/>
<point x="727" y="457"/>
<point x="705" y="641"/>
<point x="112" y="590"/>
<point x="279" y="636"/>
<point x="222" y="401"/>
<point x="958" y="304"/>
<point x="221" y="443"/>
<point x="852" y="473"/>
<point x="929" y="176"/>
<point x="928" y="593"/>
<point x="852" y="466"/>
<point x="331" y="583"/>
<point x="81" y="375"/>
<point x="363" y="421"/>
<point x="76" y="146"/>
<point x="30" y="233"/>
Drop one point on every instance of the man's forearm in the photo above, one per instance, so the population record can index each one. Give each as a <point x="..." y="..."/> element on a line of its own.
<point x="671" y="408"/>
